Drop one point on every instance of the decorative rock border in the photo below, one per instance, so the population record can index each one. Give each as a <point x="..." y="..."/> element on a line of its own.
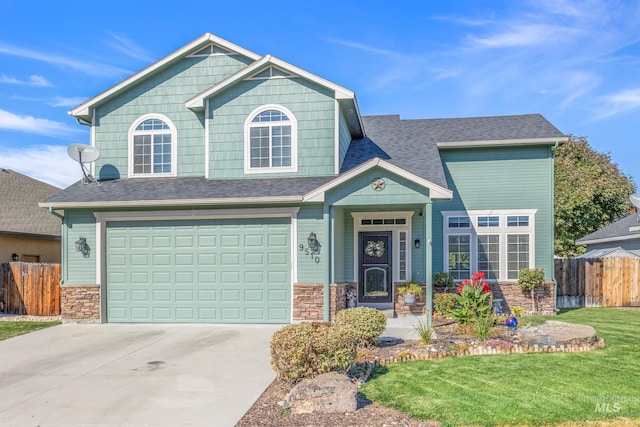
<point x="481" y="349"/>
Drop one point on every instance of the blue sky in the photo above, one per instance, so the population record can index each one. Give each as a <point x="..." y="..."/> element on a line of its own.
<point x="575" y="62"/>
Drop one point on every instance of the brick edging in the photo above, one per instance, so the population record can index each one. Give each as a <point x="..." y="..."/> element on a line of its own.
<point x="480" y="349"/>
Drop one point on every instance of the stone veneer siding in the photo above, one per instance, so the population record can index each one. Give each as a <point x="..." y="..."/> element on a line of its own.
<point x="308" y="300"/>
<point x="80" y="303"/>
<point x="401" y="309"/>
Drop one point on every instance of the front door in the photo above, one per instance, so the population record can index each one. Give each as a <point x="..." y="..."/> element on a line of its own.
<point x="375" y="283"/>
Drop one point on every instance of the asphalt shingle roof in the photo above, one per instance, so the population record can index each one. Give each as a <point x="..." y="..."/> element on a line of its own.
<point x="188" y="188"/>
<point x="19" y="210"/>
<point x="408" y="144"/>
<point x="619" y="228"/>
<point x="412" y="144"/>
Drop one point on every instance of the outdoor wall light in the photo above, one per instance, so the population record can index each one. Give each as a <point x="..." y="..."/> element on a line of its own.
<point x="15" y="257"/>
<point x="312" y="242"/>
<point x="81" y="246"/>
<point x="416" y="243"/>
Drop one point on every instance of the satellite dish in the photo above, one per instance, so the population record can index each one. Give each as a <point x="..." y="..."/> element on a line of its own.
<point x="82" y="154"/>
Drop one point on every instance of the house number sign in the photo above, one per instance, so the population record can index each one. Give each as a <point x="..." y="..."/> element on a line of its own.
<point x="313" y="247"/>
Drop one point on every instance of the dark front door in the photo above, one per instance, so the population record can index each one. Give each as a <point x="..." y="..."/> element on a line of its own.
<point x="375" y="267"/>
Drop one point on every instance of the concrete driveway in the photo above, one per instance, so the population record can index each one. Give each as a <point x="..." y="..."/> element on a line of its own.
<point x="134" y="375"/>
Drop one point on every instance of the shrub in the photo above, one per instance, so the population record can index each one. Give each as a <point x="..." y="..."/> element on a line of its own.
<point x="365" y="322"/>
<point x="444" y="303"/>
<point x="410" y="288"/>
<point x="305" y="350"/>
<point x="443" y="279"/>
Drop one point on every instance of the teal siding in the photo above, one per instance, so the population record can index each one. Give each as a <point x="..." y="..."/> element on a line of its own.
<point x="340" y="240"/>
<point x="163" y="93"/>
<point x="630" y="245"/>
<point x="418" y="256"/>
<point x="500" y="178"/>
<point x="344" y="140"/>
<point x="358" y="191"/>
<point x="76" y="269"/>
<point x="313" y="107"/>
<point x="310" y="219"/>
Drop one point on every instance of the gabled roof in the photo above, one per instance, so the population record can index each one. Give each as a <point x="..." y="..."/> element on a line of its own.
<point x="627" y="228"/>
<point x="609" y="253"/>
<point x="19" y="211"/>
<point x="342" y="94"/>
<point x="82" y="110"/>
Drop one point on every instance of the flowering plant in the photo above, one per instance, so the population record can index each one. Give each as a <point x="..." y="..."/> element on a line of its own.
<point x="476" y="280"/>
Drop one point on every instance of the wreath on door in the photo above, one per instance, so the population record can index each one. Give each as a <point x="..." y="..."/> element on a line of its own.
<point x="374" y="249"/>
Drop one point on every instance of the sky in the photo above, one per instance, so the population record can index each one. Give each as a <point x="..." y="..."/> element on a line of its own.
<point x="575" y="62"/>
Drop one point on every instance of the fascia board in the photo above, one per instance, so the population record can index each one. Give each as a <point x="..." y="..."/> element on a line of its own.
<point x="82" y="110"/>
<point x="607" y="239"/>
<point x="502" y="142"/>
<point x="197" y="102"/>
<point x="436" y="192"/>
<point x="165" y="203"/>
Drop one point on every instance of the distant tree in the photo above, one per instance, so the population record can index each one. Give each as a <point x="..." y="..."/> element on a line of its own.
<point x="590" y="192"/>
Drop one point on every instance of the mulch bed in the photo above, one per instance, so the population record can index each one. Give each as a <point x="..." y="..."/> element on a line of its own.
<point x="266" y="411"/>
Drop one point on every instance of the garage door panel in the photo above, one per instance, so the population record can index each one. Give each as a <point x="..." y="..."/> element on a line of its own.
<point x="199" y="271"/>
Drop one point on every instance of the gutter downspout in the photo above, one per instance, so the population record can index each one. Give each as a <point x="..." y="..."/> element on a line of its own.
<point x="54" y="213"/>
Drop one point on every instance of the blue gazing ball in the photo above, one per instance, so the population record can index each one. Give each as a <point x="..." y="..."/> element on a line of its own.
<point x="512" y="322"/>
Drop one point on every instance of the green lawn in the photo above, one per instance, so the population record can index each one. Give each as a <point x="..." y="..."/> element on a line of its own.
<point x="13" y="329"/>
<point x="532" y="389"/>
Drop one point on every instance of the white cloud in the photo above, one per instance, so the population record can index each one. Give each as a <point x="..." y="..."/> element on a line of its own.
<point x="366" y="48"/>
<point x="94" y="69"/>
<point x="619" y="102"/>
<point x="35" y="125"/>
<point x="47" y="163"/>
<point x="522" y="35"/>
<point x="123" y="44"/>
<point x="33" y="80"/>
<point x="60" y="101"/>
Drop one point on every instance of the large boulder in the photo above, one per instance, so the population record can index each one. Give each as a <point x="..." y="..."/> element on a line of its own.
<point x="331" y="392"/>
<point x="553" y="332"/>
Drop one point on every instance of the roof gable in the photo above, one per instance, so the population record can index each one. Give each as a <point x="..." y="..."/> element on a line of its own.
<point x="206" y="41"/>
<point x="19" y="210"/>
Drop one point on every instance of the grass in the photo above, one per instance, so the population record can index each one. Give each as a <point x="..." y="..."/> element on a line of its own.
<point x="13" y="329"/>
<point x="530" y="389"/>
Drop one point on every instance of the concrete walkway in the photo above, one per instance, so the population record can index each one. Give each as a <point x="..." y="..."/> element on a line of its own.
<point x="134" y="375"/>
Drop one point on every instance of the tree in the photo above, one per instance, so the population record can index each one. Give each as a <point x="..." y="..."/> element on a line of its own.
<point x="590" y="192"/>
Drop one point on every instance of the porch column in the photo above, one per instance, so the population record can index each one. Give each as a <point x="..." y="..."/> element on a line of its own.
<point x="328" y="217"/>
<point x="428" y="237"/>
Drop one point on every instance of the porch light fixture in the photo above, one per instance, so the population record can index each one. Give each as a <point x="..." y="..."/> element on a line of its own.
<point x="312" y="242"/>
<point x="15" y="257"/>
<point x="416" y="243"/>
<point x="81" y="246"/>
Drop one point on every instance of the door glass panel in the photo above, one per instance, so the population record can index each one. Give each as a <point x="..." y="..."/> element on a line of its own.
<point x="375" y="282"/>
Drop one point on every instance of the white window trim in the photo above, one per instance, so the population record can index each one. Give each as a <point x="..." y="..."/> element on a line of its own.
<point x="503" y="230"/>
<point x="395" y="239"/>
<point x="294" y="142"/>
<point x="174" y="147"/>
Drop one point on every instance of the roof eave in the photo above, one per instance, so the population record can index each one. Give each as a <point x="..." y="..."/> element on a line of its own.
<point x="607" y="239"/>
<point x="82" y="110"/>
<point x="170" y="203"/>
<point x="502" y="142"/>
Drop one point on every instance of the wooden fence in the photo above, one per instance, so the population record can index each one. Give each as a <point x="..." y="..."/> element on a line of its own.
<point x="30" y="288"/>
<point x="597" y="282"/>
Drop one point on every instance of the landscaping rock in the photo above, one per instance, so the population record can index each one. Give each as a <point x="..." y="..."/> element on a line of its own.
<point x="553" y="332"/>
<point x="331" y="392"/>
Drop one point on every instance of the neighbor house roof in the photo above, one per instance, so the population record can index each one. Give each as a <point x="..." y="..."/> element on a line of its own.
<point x="20" y="214"/>
<point x="627" y="228"/>
<point x="609" y="253"/>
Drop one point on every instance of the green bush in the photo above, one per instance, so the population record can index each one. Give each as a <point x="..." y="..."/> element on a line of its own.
<point x="484" y="326"/>
<point x="304" y="350"/>
<point x="366" y="322"/>
<point x="443" y="279"/>
<point x="472" y="303"/>
<point x="444" y="303"/>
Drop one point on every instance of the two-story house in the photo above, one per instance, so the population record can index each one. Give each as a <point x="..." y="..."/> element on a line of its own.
<point x="235" y="187"/>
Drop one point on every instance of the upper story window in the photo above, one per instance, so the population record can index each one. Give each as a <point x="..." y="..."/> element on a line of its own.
<point x="152" y="147"/>
<point x="271" y="140"/>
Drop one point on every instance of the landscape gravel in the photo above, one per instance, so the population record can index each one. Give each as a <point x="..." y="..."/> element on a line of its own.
<point x="8" y="317"/>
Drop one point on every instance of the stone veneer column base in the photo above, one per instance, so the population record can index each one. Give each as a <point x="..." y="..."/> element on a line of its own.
<point x="80" y="303"/>
<point x="401" y="309"/>
<point x="308" y="300"/>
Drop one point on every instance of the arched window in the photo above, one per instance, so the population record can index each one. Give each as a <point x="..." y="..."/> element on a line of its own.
<point x="152" y="147"/>
<point x="271" y="140"/>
